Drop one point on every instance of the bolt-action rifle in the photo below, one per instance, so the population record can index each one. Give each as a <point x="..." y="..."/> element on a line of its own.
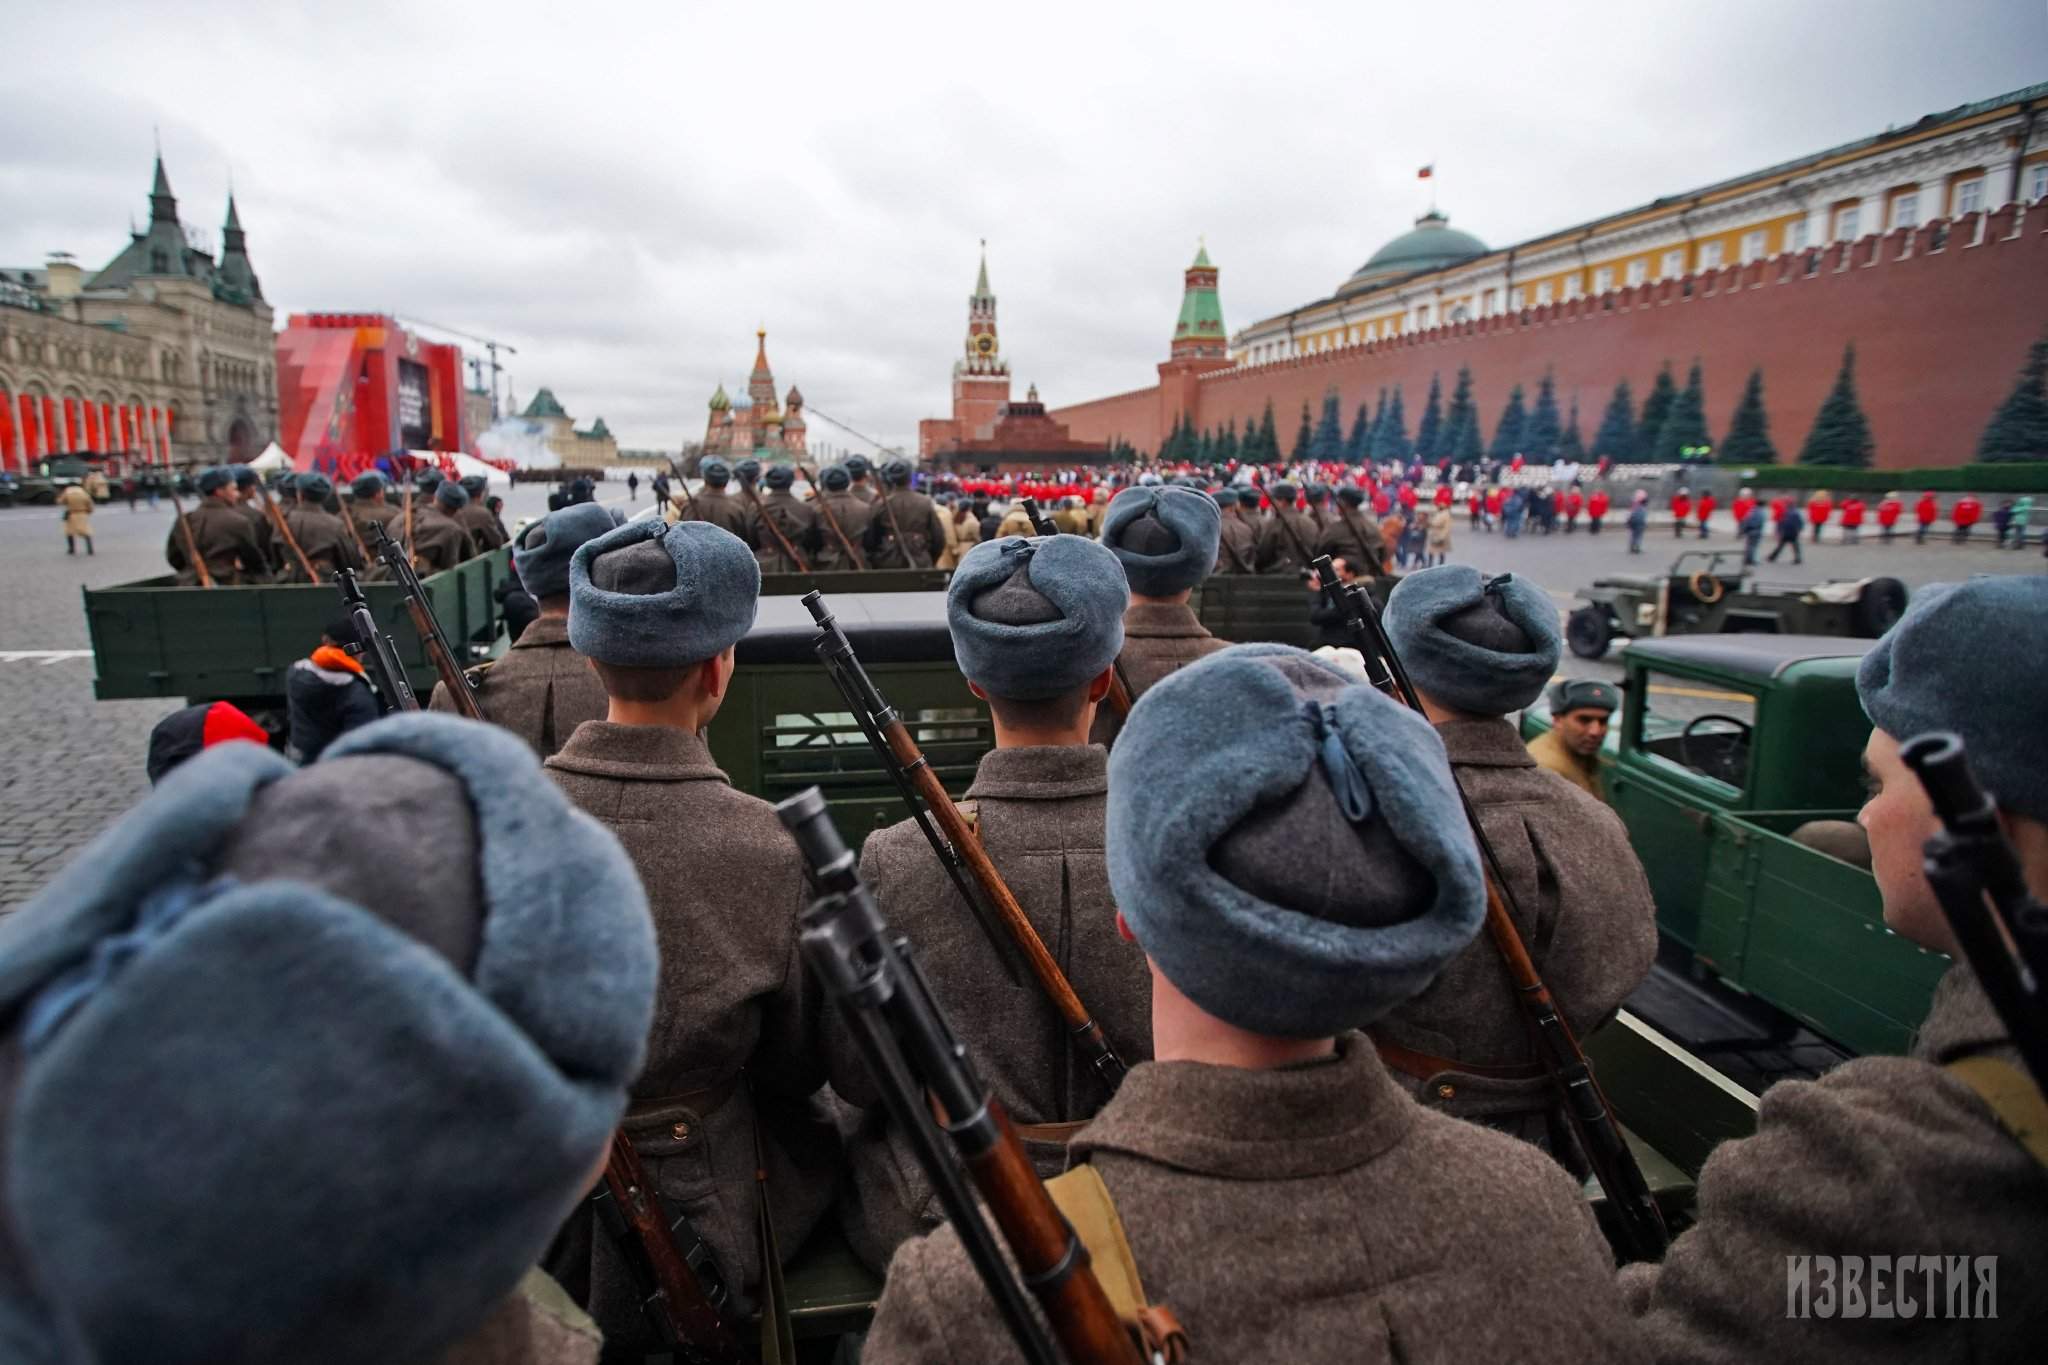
<point x="1009" y="930"/>
<point x="284" y="530"/>
<point x="781" y="540"/>
<point x="912" y="1053"/>
<point x="682" y="1294"/>
<point x="1119" y="690"/>
<point x="374" y="647"/>
<point x="447" y="663"/>
<point x="1977" y="879"/>
<point x="199" y="568"/>
<point x="831" y="520"/>
<point x="1592" y="1117"/>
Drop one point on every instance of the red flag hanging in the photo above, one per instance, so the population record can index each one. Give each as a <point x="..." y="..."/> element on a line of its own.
<point x="1426" y="172"/>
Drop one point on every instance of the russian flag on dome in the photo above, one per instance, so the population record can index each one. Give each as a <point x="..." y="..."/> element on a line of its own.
<point x="1426" y="172"/>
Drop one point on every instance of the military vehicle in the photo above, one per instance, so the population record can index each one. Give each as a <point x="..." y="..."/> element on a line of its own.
<point x="1711" y="592"/>
<point x="1736" y="765"/>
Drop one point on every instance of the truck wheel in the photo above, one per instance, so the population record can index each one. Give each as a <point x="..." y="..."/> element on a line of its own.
<point x="1588" y="631"/>
<point x="1883" y="602"/>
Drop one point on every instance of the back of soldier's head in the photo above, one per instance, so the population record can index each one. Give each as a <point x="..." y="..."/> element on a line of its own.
<point x="650" y="603"/>
<point x="1036" y="620"/>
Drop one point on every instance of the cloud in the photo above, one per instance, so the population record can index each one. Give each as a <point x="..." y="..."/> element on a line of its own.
<point x="625" y="192"/>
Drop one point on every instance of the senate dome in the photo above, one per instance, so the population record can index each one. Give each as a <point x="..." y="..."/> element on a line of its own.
<point x="1430" y="245"/>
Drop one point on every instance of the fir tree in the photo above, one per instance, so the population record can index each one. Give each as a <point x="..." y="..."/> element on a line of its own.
<point x="1326" y="446"/>
<point x="1303" y="437"/>
<point x="1539" y="437"/>
<point x="2019" y="429"/>
<point x="1841" y="433"/>
<point x="1616" y="439"/>
<point x="1507" y="435"/>
<point x="1461" y="439"/>
<point x="1656" y="408"/>
<point x="1268" y="448"/>
<point x="1684" y="432"/>
<point x="1569" y="446"/>
<point x="1205" y="449"/>
<point x="1749" y="430"/>
<point x="1394" y="434"/>
<point x="1429" y="431"/>
<point x="1226" y="448"/>
<point x="1360" y="440"/>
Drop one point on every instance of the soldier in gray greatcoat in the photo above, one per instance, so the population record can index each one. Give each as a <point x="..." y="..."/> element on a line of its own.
<point x="1237" y="542"/>
<point x="1166" y="539"/>
<point x="382" y="1044"/>
<point x="796" y="520"/>
<point x="1279" y="1191"/>
<point x="711" y="503"/>
<point x="1036" y="626"/>
<point x="542" y="689"/>
<point x="438" y="539"/>
<point x="1889" y="1158"/>
<point x="321" y="537"/>
<point x="1478" y="649"/>
<point x="1350" y="533"/>
<point x="1280" y="551"/>
<point x="248" y="491"/>
<point x="858" y="468"/>
<point x="220" y="533"/>
<point x="734" y="1056"/>
<point x="484" y="531"/>
<point x="904" y="532"/>
<point x="836" y="547"/>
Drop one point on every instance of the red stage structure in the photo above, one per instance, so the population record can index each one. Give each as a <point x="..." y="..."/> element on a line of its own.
<point x="352" y="387"/>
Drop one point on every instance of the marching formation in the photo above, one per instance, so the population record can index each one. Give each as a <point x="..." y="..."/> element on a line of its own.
<point x="1243" y="985"/>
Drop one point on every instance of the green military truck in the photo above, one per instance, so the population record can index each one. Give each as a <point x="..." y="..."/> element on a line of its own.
<point x="1732" y="758"/>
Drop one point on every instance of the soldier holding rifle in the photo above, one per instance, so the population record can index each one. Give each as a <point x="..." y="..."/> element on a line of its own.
<point x="844" y="517"/>
<point x="215" y="534"/>
<point x="712" y="503"/>
<point x="370" y="505"/>
<point x="1274" y="1184"/>
<point x="905" y="532"/>
<point x="1036" y="626"/>
<point x="784" y="531"/>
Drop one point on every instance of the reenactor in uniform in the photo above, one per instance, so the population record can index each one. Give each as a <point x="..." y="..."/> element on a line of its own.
<point x="1016" y="521"/>
<point x="1237" y="544"/>
<point x="713" y="504"/>
<point x="734" y="1056"/>
<point x="370" y="965"/>
<point x="484" y="531"/>
<point x="1351" y="534"/>
<point x="1317" y="496"/>
<point x="1166" y="539"/>
<point x="1280" y="551"/>
<point x="1479" y="649"/>
<point x="221" y="534"/>
<point x="249" y="494"/>
<point x="1276" y="1188"/>
<point x="438" y="539"/>
<point x="857" y="470"/>
<point x="796" y="520"/>
<point x="371" y="508"/>
<point x="321" y="537"/>
<point x="1579" y="709"/>
<point x="904" y="532"/>
<point x="541" y="689"/>
<point x="1894" y="1160"/>
<point x="849" y="512"/>
<point x="1072" y="518"/>
<point x="1036" y="626"/>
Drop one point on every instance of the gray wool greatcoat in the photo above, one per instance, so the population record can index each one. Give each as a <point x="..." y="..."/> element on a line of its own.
<point x="726" y="511"/>
<point x="321" y="538"/>
<point x="725" y="885"/>
<point x="852" y="514"/>
<point x="1584" y="908"/>
<point x="540" y="690"/>
<point x="1040" y="814"/>
<point x="1308" y="1215"/>
<point x="1159" y="638"/>
<point x="439" y="541"/>
<point x="1881" y="1157"/>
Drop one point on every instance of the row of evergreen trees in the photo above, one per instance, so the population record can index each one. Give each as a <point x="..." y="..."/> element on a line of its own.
<point x="1670" y="428"/>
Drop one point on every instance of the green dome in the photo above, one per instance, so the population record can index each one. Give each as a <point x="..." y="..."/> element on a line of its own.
<point x="1430" y="245"/>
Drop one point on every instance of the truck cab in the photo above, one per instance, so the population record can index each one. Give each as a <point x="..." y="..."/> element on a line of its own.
<point x="1736" y="766"/>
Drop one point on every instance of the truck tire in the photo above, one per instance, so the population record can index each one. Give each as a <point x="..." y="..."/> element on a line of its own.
<point x="1588" y="631"/>
<point x="1883" y="602"/>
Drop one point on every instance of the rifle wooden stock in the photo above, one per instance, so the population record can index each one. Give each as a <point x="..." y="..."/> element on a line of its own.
<point x="1119" y="692"/>
<point x="380" y="658"/>
<point x="440" y="653"/>
<point x="831" y="520"/>
<point x="192" y="554"/>
<point x="678" y="1305"/>
<point x="348" y="519"/>
<point x="1585" y="1104"/>
<point x="408" y="519"/>
<point x="781" y="540"/>
<point x="283" y="528"/>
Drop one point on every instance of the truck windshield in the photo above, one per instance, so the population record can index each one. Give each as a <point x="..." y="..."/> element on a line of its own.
<point x="1703" y="728"/>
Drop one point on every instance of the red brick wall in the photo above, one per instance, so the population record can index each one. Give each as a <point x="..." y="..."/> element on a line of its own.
<point x="1939" y="334"/>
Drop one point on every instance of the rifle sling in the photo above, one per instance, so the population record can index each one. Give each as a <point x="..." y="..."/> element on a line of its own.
<point x="2013" y="1098"/>
<point x="1086" y="1204"/>
<point x="1423" y="1066"/>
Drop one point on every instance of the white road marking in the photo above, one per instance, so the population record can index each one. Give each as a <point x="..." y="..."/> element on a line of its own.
<point x="47" y="656"/>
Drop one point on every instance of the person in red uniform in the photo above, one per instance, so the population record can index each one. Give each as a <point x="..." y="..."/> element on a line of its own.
<point x="1596" y="510"/>
<point x="1965" y="515"/>
<point x="1574" y="503"/>
<point x="1408" y="500"/>
<point x="1475" y="506"/>
<point x="1927" y="511"/>
<point x="1494" y="501"/>
<point x="1382" y="502"/>
<point x="1888" y="509"/>
<point x="1706" y="510"/>
<point x="1740" y="508"/>
<point x="1852" y="520"/>
<point x="1778" y="506"/>
<point x="1818" y="508"/>
<point x="1443" y="495"/>
<point x="1681" y="508"/>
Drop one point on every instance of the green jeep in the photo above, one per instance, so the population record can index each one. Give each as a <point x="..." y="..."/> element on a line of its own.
<point x="1730" y="755"/>
<point x="1711" y="592"/>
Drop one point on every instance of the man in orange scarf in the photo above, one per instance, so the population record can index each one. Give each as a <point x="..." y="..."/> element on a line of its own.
<point x="326" y="694"/>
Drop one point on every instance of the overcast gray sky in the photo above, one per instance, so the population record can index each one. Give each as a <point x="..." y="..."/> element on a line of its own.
<point x="625" y="192"/>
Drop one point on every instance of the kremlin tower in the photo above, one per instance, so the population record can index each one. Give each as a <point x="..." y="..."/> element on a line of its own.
<point x="981" y="378"/>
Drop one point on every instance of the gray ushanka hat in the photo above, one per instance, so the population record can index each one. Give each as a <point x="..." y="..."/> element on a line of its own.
<point x="1164" y="537"/>
<point x="213" y="478"/>
<point x="1935" y="670"/>
<point x="314" y="487"/>
<point x="1206" y="843"/>
<point x="1484" y="646"/>
<point x="835" y="478"/>
<point x="451" y="495"/>
<point x="367" y="485"/>
<point x="648" y="595"/>
<point x="1033" y="618"/>
<point x="345" y="1100"/>
<point x="543" y="550"/>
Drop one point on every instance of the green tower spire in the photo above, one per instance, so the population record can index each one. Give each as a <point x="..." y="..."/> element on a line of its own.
<point x="1199" y="333"/>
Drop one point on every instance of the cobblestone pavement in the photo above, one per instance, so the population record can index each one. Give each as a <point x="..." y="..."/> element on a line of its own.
<point x="69" y="764"/>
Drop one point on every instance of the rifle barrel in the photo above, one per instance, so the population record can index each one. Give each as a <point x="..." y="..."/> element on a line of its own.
<point x="441" y="654"/>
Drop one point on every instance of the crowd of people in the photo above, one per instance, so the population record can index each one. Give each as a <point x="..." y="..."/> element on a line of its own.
<point x="319" y="1061"/>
